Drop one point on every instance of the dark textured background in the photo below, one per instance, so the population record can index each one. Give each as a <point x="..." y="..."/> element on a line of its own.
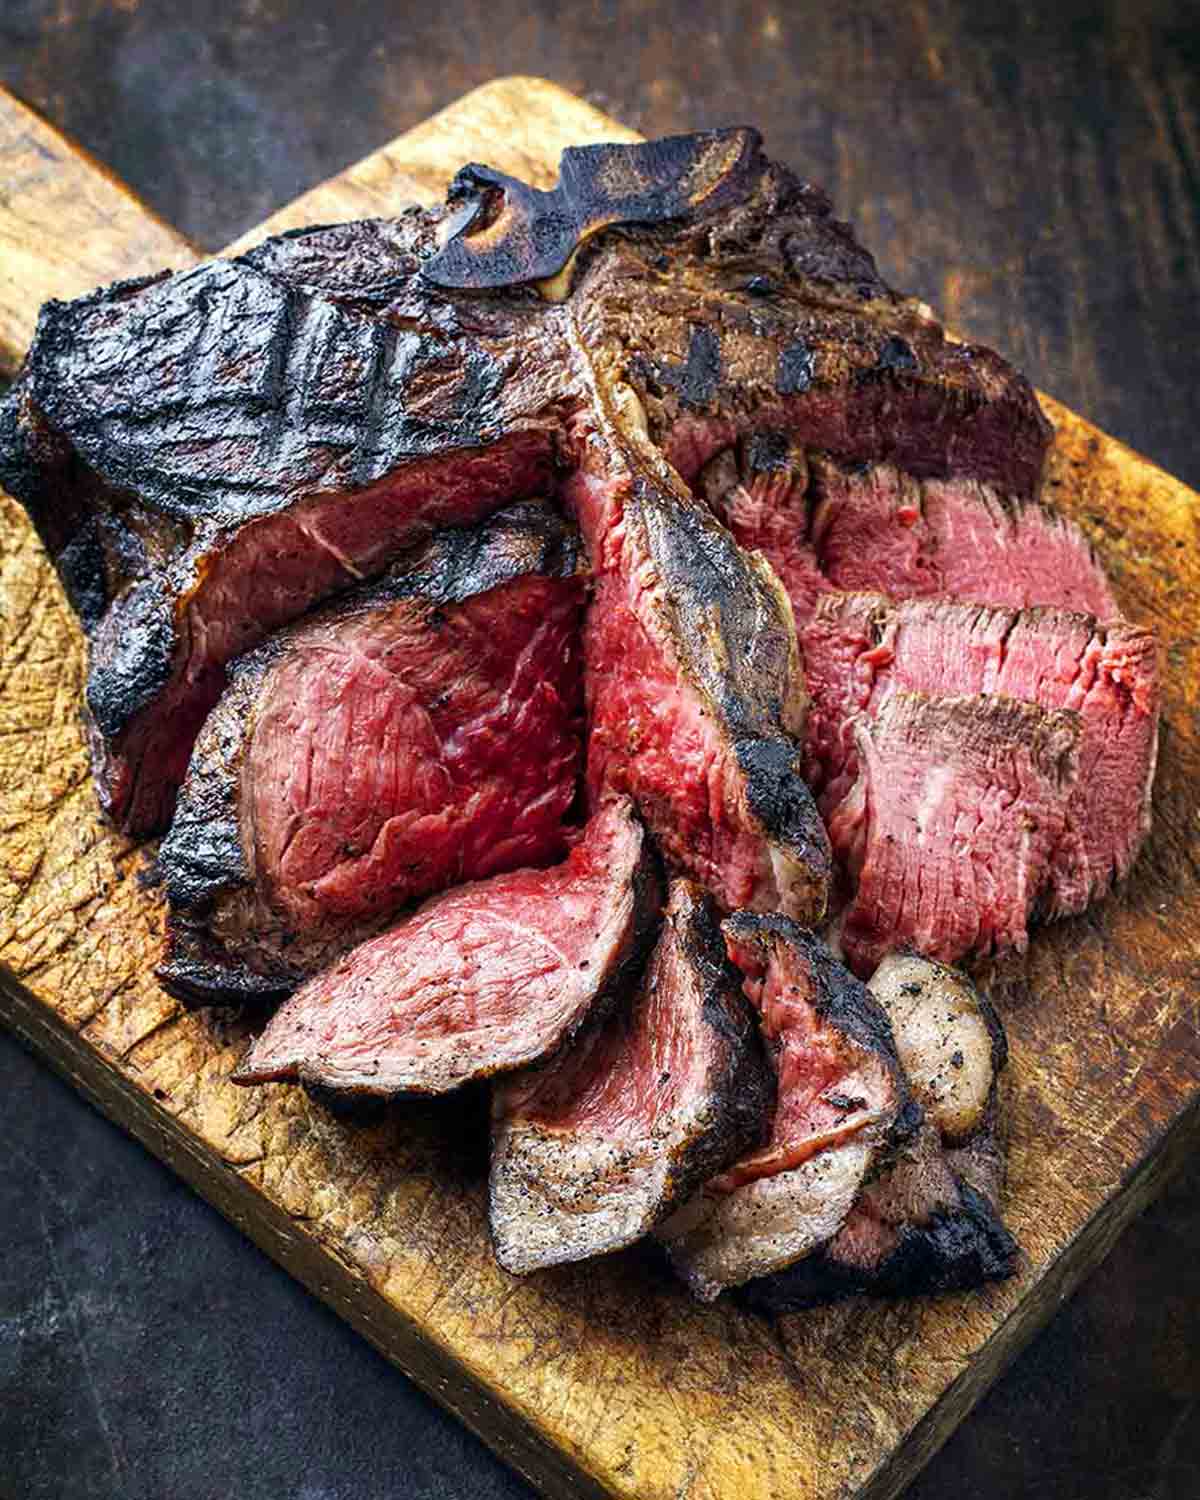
<point x="1033" y="171"/>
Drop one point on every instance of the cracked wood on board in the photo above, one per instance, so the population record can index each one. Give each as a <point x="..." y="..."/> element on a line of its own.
<point x="600" y="1378"/>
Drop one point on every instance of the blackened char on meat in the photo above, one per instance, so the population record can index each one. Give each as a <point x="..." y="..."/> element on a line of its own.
<point x="209" y="454"/>
<point x="929" y="1222"/>
<point x="484" y="979"/>
<point x="841" y="1103"/>
<point x="422" y="731"/>
<point x="952" y="823"/>
<point x="593" y="1150"/>
<point x="858" y="648"/>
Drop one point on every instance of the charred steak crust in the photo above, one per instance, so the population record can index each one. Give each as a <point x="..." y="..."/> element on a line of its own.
<point x="838" y="997"/>
<point x="843" y="1106"/>
<point x="213" y="951"/>
<point x="929" y="1220"/>
<point x="735" y="635"/>
<point x="956" y="1250"/>
<point x="593" y="1150"/>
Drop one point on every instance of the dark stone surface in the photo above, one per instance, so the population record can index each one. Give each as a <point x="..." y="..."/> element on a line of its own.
<point x="1031" y="169"/>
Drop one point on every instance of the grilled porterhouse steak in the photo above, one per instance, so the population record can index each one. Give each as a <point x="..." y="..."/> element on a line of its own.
<point x="209" y="454"/>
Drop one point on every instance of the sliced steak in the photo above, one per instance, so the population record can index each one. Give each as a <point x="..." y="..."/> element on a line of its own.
<point x="592" y="1151"/>
<point x="882" y="529"/>
<point x="484" y="979"/>
<point x="951" y="824"/>
<point x="424" y="730"/>
<point x="693" y="685"/>
<point x="858" y="648"/>
<point x="841" y="1096"/>
<point x="929" y="1222"/>
<point x="208" y="455"/>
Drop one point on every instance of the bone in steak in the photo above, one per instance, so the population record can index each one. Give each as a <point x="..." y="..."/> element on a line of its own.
<point x="929" y="1222"/>
<point x="593" y="1150"/>
<point x="950" y="827"/>
<point x="424" y="730"/>
<point x="486" y="978"/>
<point x="841" y="1097"/>
<point x="209" y="454"/>
<point x="858" y="648"/>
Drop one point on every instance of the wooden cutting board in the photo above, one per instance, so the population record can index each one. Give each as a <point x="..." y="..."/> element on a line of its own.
<point x="602" y="1379"/>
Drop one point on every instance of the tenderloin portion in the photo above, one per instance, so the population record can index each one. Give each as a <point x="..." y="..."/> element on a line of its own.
<point x="882" y="529"/>
<point x="929" y="1222"/>
<point x="423" y="731"/>
<point x="593" y="1150"/>
<point x="841" y="1096"/>
<point x="951" y="824"/>
<point x="859" y="648"/>
<point x="484" y="979"/>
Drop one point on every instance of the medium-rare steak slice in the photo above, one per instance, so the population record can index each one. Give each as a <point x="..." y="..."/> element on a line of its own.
<point x="879" y="528"/>
<point x="841" y="1097"/>
<point x="593" y="1150"/>
<point x="858" y="648"/>
<point x="209" y="454"/>
<point x="484" y="979"/>
<point x="694" y="688"/>
<point x="827" y="525"/>
<point x="929" y="1222"/>
<point x="422" y="731"/>
<point x="951" y="824"/>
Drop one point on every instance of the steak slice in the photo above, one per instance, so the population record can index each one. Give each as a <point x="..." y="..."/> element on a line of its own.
<point x="882" y="529"/>
<point x="592" y="1151"/>
<point x="483" y="979"/>
<point x="951" y="824"/>
<point x="424" y="730"/>
<point x="929" y="1222"/>
<point x="841" y="1097"/>
<point x="693" y="685"/>
<point x="858" y="648"/>
<point x="208" y="455"/>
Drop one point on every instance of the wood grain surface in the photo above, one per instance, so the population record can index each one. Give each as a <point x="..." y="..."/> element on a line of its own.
<point x="605" y="1379"/>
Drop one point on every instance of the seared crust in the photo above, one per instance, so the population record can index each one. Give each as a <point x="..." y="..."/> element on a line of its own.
<point x="958" y="1249"/>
